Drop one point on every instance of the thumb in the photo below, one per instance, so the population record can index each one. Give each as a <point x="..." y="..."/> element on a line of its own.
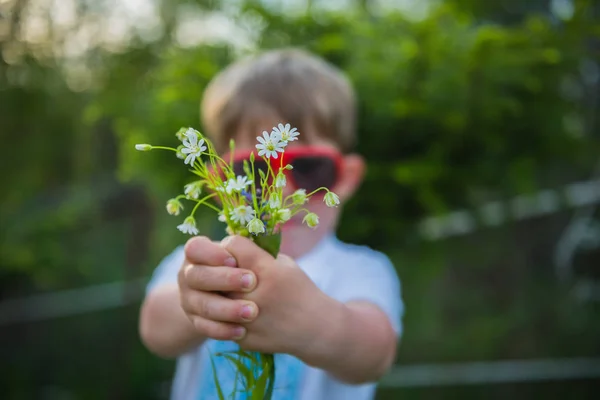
<point x="201" y="250"/>
<point x="247" y="253"/>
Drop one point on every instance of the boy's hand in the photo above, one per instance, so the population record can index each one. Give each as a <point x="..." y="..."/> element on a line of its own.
<point x="286" y="304"/>
<point x="208" y="271"/>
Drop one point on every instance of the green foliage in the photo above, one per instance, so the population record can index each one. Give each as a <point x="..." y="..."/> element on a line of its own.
<point x="452" y="111"/>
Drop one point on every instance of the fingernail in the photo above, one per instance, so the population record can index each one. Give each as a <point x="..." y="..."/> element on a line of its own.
<point x="239" y="332"/>
<point x="247" y="312"/>
<point x="187" y="269"/>
<point x="226" y="241"/>
<point x="247" y="281"/>
<point x="230" y="262"/>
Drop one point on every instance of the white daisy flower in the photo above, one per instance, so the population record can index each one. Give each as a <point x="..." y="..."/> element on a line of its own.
<point x="174" y="206"/>
<point x="188" y="226"/>
<point x="242" y="214"/>
<point x="286" y="133"/>
<point x="238" y="184"/>
<point x="192" y="147"/>
<point x="269" y="145"/>
<point x="256" y="226"/>
<point x="222" y="217"/>
<point x="280" y="180"/>
<point x="193" y="190"/>
<point x="331" y="199"/>
<point x="311" y="219"/>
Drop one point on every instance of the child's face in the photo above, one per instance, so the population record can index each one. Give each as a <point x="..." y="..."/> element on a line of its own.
<point x="297" y="238"/>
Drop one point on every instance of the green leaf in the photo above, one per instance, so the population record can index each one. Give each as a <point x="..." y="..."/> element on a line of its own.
<point x="253" y="357"/>
<point x="270" y="361"/>
<point x="216" y="378"/>
<point x="259" y="391"/>
<point x="263" y="177"/>
<point x="269" y="243"/>
<point x="243" y="369"/>
<point x="247" y="169"/>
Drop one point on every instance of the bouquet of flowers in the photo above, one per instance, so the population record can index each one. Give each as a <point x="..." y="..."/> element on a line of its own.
<point x="251" y="203"/>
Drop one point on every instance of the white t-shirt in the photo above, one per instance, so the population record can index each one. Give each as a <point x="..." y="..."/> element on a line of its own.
<point x="344" y="272"/>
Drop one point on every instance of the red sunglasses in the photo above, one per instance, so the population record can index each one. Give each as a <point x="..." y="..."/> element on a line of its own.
<point x="313" y="166"/>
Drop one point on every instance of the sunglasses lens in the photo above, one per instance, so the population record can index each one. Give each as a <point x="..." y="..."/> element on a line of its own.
<point x="311" y="173"/>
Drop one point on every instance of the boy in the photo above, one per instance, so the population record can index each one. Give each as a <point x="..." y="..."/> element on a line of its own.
<point x="331" y="312"/>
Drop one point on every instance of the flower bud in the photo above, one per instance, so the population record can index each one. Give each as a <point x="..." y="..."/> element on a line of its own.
<point x="311" y="219"/>
<point x="193" y="190"/>
<point x="256" y="226"/>
<point x="143" y="147"/>
<point x="299" y="197"/>
<point x="280" y="180"/>
<point x="274" y="201"/>
<point x="331" y="199"/>
<point x="174" y="206"/>
<point x="181" y="134"/>
<point x="283" y="215"/>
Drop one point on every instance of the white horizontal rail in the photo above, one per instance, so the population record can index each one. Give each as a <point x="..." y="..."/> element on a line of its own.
<point x="492" y="214"/>
<point x="70" y="302"/>
<point x="478" y="373"/>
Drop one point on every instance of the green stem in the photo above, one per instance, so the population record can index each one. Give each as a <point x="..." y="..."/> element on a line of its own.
<point x="254" y="200"/>
<point x="204" y="201"/>
<point x="200" y="170"/>
<point x="163" y="148"/>
<point x="215" y="156"/>
<point x="316" y="190"/>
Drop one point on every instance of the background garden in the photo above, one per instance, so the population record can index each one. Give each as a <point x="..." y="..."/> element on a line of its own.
<point x="479" y="123"/>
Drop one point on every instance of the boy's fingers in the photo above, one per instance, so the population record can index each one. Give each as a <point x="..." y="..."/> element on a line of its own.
<point x="201" y="250"/>
<point x="219" y="279"/>
<point x="246" y="252"/>
<point x="218" y="330"/>
<point x="219" y="308"/>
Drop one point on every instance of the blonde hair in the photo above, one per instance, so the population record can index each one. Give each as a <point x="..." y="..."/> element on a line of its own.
<point x="289" y="84"/>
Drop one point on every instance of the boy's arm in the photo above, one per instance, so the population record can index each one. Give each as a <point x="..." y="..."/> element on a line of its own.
<point x="357" y="332"/>
<point x="354" y="342"/>
<point x="164" y="327"/>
